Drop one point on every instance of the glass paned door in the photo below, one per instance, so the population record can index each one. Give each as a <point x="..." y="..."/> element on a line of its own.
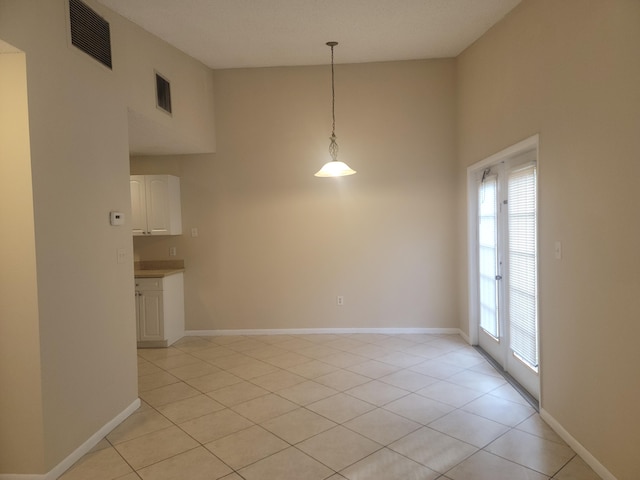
<point x="506" y="271"/>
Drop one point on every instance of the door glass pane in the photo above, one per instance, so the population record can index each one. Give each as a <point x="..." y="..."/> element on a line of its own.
<point x="488" y="254"/>
<point x="523" y="314"/>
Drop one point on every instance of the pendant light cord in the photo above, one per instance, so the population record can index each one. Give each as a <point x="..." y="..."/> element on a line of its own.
<point x="333" y="92"/>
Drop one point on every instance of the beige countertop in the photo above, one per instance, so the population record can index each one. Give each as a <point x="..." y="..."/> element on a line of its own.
<point x="157" y="268"/>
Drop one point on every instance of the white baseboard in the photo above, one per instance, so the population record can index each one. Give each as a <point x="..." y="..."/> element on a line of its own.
<point x="577" y="446"/>
<point x="79" y="452"/>
<point x="311" y="331"/>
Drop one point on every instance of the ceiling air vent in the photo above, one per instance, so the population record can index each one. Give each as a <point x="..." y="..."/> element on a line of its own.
<point x="90" y="32"/>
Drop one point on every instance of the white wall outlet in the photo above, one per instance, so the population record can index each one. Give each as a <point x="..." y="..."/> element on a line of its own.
<point x="173" y="251"/>
<point x="340" y="300"/>
<point x="121" y="255"/>
<point x="194" y="231"/>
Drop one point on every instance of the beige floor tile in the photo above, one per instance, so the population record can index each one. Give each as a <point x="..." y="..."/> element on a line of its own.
<point x="449" y="393"/>
<point x="246" y="447"/>
<point x="342" y="380"/>
<point x="535" y="425"/>
<point x="377" y="393"/>
<point x="402" y="359"/>
<point x="408" y="380"/>
<point x="576" y="469"/>
<point x="155" y="447"/>
<point x="396" y="342"/>
<point x="232" y="476"/>
<point x="191" y="344"/>
<point x="153" y="354"/>
<point x="432" y="449"/>
<point x="344" y="360"/>
<point x="382" y="426"/>
<point x="298" y="425"/>
<point x="249" y="343"/>
<point x="231" y="361"/>
<point x="345" y="344"/>
<point x="104" y="464"/>
<point x="147" y="368"/>
<point x="437" y="369"/>
<point x="469" y="428"/>
<point x="388" y="465"/>
<point x="287" y="360"/>
<point x="306" y="392"/>
<point x="237" y="393"/>
<point x="338" y="447"/>
<point x="196" y="464"/>
<point x="193" y="370"/>
<point x="264" y="408"/>
<point x="156" y="380"/>
<point x="183" y="410"/>
<point x="129" y="476"/>
<point x="487" y="369"/>
<point x="340" y="408"/>
<point x="372" y="351"/>
<point x="277" y="380"/>
<point x="531" y="451"/>
<point x="507" y="392"/>
<point x="175" y="361"/>
<point x="485" y="466"/>
<point x="101" y="445"/>
<point x="253" y="369"/>
<point x="499" y="410"/>
<point x="214" y="381"/>
<point x="373" y="369"/>
<point x="426" y="351"/>
<point x="169" y="394"/>
<point x="213" y="352"/>
<point x="215" y="425"/>
<point x="476" y="381"/>
<point x="265" y="351"/>
<point x="289" y="464"/>
<point x="464" y="359"/>
<point x="318" y="352"/>
<point x="312" y="369"/>
<point x="138" y="424"/>
<point x="419" y="409"/>
<point x="297" y="345"/>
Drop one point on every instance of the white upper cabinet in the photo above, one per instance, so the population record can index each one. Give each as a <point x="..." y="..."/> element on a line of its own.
<point x="155" y="205"/>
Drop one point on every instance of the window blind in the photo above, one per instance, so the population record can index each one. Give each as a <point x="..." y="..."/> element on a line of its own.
<point x="523" y="314"/>
<point x="488" y="254"/>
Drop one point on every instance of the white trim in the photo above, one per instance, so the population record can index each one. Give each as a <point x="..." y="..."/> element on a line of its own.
<point x="310" y="331"/>
<point x="577" y="446"/>
<point x="79" y="452"/>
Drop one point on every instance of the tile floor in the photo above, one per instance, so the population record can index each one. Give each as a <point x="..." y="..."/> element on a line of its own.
<point x="313" y="407"/>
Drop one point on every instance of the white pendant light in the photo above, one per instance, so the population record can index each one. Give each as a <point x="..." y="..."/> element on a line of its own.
<point x="334" y="168"/>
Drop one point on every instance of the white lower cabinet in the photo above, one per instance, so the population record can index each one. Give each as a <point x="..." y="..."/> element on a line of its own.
<point x="160" y="310"/>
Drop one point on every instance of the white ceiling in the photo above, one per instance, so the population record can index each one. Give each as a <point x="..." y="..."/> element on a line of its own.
<point x="266" y="33"/>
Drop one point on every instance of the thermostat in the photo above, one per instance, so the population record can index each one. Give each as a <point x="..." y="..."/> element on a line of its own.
<point x="117" y="218"/>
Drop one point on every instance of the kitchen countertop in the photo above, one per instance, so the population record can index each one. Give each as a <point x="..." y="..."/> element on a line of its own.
<point x="157" y="268"/>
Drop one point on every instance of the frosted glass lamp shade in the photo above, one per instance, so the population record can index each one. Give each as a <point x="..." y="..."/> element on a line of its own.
<point x="335" y="168"/>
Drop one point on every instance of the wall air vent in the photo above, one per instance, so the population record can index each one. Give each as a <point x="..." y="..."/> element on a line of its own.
<point x="163" y="93"/>
<point x="90" y="32"/>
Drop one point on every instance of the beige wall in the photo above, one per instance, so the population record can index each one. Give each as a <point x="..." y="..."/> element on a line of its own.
<point x="21" y="431"/>
<point x="569" y="71"/>
<point x="67" y="316"/>
<point x="276" y="245"/>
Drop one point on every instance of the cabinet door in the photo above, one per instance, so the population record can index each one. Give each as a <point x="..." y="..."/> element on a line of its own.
<point x="158" y="208"/>
<point x="138" y="204"/>
<point x="151" y="320"/>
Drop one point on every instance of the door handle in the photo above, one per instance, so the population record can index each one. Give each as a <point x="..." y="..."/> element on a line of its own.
<point x="498" y="277"/>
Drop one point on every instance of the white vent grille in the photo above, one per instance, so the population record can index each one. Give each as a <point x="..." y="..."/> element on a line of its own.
<point x="90" y="32"/>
